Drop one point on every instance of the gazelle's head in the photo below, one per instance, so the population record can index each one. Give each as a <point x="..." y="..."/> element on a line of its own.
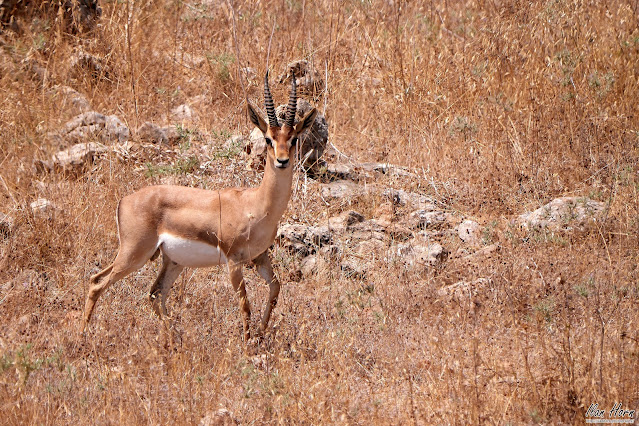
<point x="281" y="140"/>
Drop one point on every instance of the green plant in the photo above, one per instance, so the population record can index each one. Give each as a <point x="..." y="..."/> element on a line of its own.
<point x="221" y="63"/>
<point x="26" y="363"/>
<point x="546" y="308"/>
<point x="182" y="166"/>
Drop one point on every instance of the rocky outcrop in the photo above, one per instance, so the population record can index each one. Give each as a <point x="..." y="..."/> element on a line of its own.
<point x="353" y="244"/>
<point x="86" y="137"/>
<point x="345" y="221"/>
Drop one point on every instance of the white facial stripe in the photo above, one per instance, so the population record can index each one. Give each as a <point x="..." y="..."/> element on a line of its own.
<point x="191" y="253"/>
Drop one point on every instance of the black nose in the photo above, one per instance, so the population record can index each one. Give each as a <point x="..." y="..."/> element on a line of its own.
<point x="282" y="162"/>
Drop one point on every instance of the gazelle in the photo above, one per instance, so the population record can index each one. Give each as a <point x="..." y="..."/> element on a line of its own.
<point x="197" y="228"/>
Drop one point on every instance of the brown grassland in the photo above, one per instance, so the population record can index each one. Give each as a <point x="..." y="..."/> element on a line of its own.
<point x="497" y="106"/>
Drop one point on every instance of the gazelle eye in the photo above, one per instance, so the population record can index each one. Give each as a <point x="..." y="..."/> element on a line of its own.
<point x="269" y="142"/>
<point x="293" y="141"/>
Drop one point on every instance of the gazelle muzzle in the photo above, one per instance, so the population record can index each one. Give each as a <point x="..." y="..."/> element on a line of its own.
<point x="282" y="164"/>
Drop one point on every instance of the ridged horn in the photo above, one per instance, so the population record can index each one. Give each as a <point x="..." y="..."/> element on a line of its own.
<point x="270" y="107"/>
<point x="292" y="104"/>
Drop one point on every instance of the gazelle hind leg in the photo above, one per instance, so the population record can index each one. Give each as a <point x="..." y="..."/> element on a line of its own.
<point x="122" y="266"/>
<point x="162" y="285"/>
<point x="265" y="269"/>
<point x="101" y="282"/>
<point x="94" y="291"/>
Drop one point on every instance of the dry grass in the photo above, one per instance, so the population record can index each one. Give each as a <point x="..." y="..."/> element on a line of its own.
<point x="499" y="106"/>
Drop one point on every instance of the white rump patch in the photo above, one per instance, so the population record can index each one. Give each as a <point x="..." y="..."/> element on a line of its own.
<point x="191" y="253"/>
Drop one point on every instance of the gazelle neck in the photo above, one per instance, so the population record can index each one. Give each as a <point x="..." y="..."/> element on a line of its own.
<point x="275" y="189"/>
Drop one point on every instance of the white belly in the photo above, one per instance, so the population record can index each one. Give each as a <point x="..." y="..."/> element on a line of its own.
<point x="190" y="253"/>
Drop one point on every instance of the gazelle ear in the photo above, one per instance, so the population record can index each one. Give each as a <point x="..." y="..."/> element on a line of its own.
<point x="306" y="122"/>
<point x="256" y="118"/>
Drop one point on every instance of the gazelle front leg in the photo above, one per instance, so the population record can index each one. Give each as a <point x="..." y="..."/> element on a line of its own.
<point x="237" y="280"/>
<point x="265" y="269"/>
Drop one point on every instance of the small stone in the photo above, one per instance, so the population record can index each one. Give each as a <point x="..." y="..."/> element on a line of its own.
<point x="193" y="61"/>
<point x="312" y="264"/>
<point x="221" y="417"/>
<point x="386" y="169"/>
<point x="77" y="157"/>
<point x="232" y="146"/>
<point x="468" y="231"/>
<point x="396" y="231"/>
<point x="302" y="239"/>
<point x="74" y="100"/>
<point x="42" y="207"/>
<point x="341" y="189"/>
<point x="116" y="131"/>
<point x="7" y="224"/>
<point x="463" y="289"/>
<point x="371" y="249"/>
<point x="307" y="267"/>
<point x="307" y="78"/>
<point x="93" y="124"/>
<point x="331" y="252"/>
<point x="425" y="219"/>
<point x="152" y="133"/>
<point x="87" y="118"/>
<point x="482" y="254"/>
<point x="256" y="144"/>
<point x="345" y="220"/>
<point x="367" y="230"/>
<point x="341" y="172"/>
<point x="83" y="63"/>
<point x="403" y="198"/>
<point x="353" y="267"/>
<point x="421" y="251"/>
<point x="183" y="114"/>
<point x="249" y="73"/>
<point x="172" y="134"/>
<point x="564" y="213"/>
<point x="37" y="71"/>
